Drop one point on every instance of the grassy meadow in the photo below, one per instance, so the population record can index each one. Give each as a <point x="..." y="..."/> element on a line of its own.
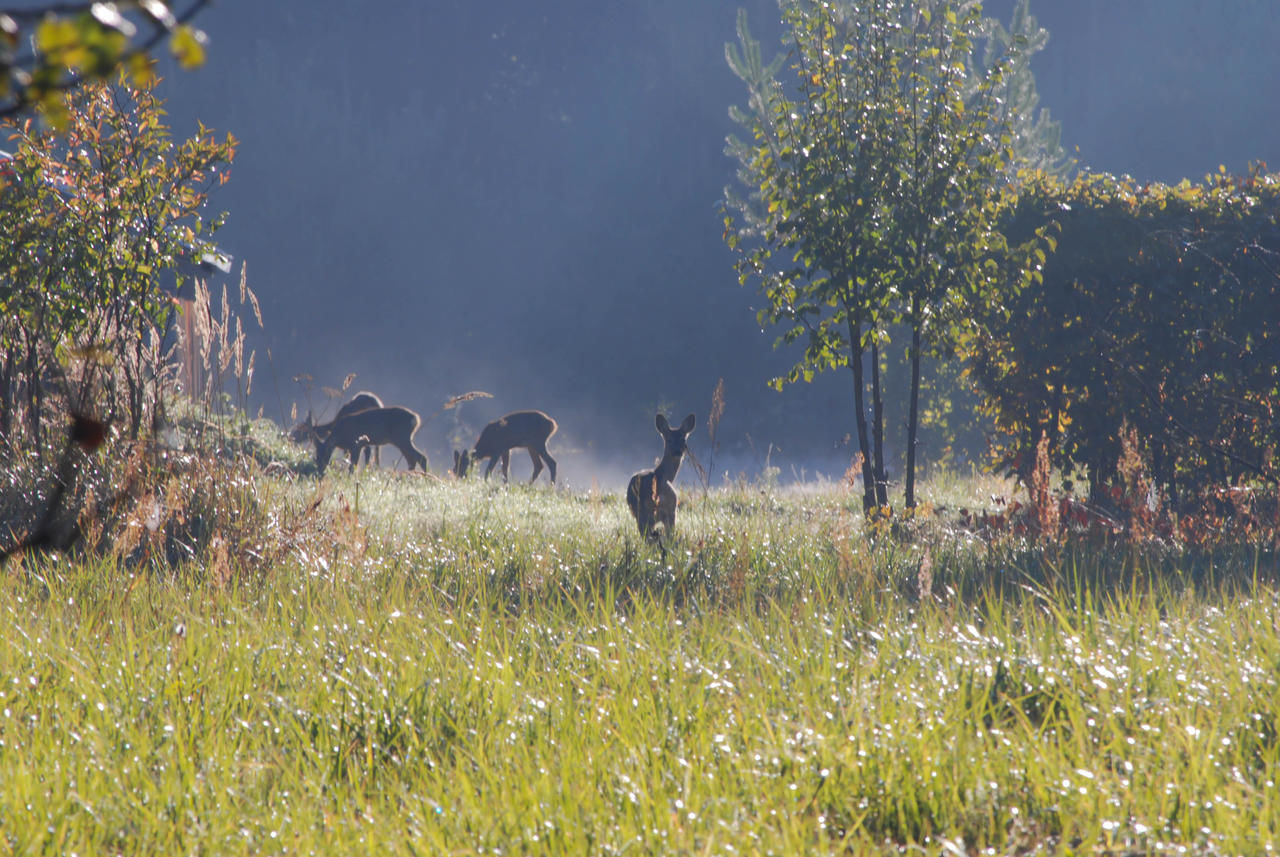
<point x="260" y="663"/>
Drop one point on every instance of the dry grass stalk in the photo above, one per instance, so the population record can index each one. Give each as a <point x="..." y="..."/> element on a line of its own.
<point x="202" y="325"/>
<point x="347" y="530"/>
<point x="595" y="499"/>
<point x="704" y="476"/>
<point x="853" y="473"/>
<point x="219" y="336"/>
<point x="1135" y="486"/>
<point x="220" y="571"/>
<point x="224" y="347"/>
<point x="842" y="543"/>
<point x="238" y="349"/>
<point x="90" y="523"/>
<point x="465" y="397"/>
<point x="1044" y="506"/>
<point x="717" y="408"/>
<point x="736" y="581"/>
<point x="246" y="292"/>
<point x="924" y="577"/>
<point x="713" y="423"/>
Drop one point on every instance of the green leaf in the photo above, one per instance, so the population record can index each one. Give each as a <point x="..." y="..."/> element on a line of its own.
<point x="187" y="45"/>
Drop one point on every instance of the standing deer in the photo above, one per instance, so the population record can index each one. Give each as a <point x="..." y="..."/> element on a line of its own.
<point x="309" y="431"/>
<point x="650" y="494"/>
<point x="528" y="429"/>
<point x="372" y="427"/>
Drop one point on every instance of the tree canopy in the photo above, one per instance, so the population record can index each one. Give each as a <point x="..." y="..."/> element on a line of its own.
<point x="870" y="184"/>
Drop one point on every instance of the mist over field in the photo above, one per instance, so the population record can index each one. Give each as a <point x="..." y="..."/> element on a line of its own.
<point x="524" y="199"/>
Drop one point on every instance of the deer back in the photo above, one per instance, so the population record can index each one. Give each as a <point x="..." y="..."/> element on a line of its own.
<point x="361" y="401"/>
<point x="516" y="429"/>
<point x="374" y="426"/>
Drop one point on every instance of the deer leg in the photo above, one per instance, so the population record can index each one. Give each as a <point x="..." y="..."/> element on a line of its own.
<point x="353" y="454"/>
<point x="493" y="462"/>
<point x="361" y="444"/>
<point x="635" y="489"/>
<point x="667" y="502"/>
<point x="506" y="464"/>
<point x="643" y="499"/>
<point x="323" y="453"/>
<point x="537" y="465"/>
<point x="410" y="453"/>
<point x="546" y="456"/>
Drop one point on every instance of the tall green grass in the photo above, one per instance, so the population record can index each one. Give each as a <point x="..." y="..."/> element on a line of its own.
<point x="431" y="666"/>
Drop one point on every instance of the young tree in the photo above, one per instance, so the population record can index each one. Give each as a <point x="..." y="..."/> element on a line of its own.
<point x="97" y="219"/>
<point x="813" y="227"/>
<point x="1037" y="139"/>
<point x="871" y="179"/>
<point x="956" y="145"/>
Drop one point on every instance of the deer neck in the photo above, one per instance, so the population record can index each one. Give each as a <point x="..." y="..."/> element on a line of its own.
<point x="668" y="467"/>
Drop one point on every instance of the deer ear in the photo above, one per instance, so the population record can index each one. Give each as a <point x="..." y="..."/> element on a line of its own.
<point x="662" y="424"/>
<point x="687" y="425"/>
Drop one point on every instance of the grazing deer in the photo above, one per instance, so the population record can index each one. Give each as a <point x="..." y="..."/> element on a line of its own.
<point x="372" y="427"/>
<point x="528" y="429"/>
<point x="363" y="401"/>
<point x="309" y="431"/>
<point x="650" y="494"/>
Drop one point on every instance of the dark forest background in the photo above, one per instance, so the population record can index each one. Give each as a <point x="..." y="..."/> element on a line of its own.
<point x="524" y="199"/>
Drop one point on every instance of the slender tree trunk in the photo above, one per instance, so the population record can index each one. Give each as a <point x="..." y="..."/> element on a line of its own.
<point x="913" y="413"/>
<point x="860" y="416"/>
<point x="133" y="393"/>
<point x="7" y="394"/>
<point x="877" y="430"/>
<point x="34" y="404"/>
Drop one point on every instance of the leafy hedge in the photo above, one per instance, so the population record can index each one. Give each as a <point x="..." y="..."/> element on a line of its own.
<point x="1158" y="315"/>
